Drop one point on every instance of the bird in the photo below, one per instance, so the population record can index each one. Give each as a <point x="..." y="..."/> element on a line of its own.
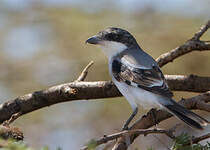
<point x="138" y="77"/>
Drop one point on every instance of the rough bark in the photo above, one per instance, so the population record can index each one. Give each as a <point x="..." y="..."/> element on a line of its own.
<point x="88" y="90"/>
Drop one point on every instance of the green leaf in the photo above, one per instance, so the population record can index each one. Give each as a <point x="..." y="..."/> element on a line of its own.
<point x="92" y="144"/>
<point x="184" y="139"/>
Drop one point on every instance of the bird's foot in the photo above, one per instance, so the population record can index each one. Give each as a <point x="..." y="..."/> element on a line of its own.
<point x="125" y="127"/>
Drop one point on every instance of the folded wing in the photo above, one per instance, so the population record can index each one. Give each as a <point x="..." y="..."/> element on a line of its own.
<point x="150" y="79"/>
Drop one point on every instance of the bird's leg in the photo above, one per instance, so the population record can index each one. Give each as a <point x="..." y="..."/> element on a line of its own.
<point x="125" y="126"/>
<point x="153" y="111"/>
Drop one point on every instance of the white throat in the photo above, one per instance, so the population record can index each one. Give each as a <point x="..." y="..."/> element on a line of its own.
<point x="111" y="48"/>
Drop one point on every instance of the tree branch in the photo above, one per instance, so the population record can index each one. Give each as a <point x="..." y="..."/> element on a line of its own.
<point x="194" y="44"/>
<point x="202" y="30"/>
<point x="84" y="73"/>
<point x="11" y="119"/>
<point x="107" y="138"/>
<point x="198" y="139"/>
<point x="146" y="121"/>
<point x="7" y="132"/>
<point x="191" y="83"/>
<point x="88" y="90"/>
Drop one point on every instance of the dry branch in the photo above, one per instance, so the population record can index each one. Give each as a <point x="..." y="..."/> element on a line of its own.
<point x="147" y="121"/>
<point x="202" y="30"/>
<point x="88" y="90"/>
<point x="198" y="139"/>
<point x="191" y="83"/>
<point x="7" y="132"/>
<point x="107" y="138"/>
<point x="194" y="44"/>
<point x="84" y="73"/>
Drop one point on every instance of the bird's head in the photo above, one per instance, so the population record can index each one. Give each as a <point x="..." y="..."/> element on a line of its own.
<point x="113" y="40"/>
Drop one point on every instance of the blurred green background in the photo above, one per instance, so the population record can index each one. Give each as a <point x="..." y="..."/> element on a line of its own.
<point x="42" y="43"/>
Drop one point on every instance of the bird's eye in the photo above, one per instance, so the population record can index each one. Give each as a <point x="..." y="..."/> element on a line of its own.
<point x="110" y="36"/>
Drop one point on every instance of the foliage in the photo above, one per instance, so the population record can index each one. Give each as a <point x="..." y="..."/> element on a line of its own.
<point x="91" y="144"/>
<point x="181" y="143"/>
<point x="18" y="145"/>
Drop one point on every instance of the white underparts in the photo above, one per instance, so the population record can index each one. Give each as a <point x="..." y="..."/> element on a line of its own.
<point x="135" y="95"/>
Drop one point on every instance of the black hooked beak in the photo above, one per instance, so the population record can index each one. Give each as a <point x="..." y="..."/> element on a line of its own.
<point x="93" y="40"/>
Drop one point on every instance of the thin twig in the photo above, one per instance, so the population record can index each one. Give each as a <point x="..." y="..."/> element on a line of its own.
<point x="145" y="132"/>
<point x="84" y="73"/>
<point x="195" y="140"/>
<point x="202" y="30"/>
<point x="11" y="119"/>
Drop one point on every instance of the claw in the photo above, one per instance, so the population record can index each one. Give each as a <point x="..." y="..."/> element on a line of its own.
<point x="125" y="127"/>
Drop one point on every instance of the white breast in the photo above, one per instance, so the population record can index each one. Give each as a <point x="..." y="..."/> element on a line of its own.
<point x="111" y="48"/>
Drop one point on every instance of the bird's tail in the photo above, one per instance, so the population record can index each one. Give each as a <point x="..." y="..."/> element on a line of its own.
<point x="189" y="117"/>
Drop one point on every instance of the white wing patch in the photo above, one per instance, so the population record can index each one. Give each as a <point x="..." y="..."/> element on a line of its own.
<point x="127" y="63"/>
<point x="156" y="83"/>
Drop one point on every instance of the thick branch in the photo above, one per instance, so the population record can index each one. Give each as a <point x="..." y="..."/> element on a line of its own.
<point x="194" y="44"/>
<point x="57" y="94"/>
<point x="147" y="121"/>
<point x="88" y="90"/>
<point x="191" y="83"/>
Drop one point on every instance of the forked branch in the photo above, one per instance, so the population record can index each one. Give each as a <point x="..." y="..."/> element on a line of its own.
<point x="193" y="44"/>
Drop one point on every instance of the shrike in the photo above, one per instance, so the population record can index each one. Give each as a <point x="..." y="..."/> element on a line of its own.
<point x="138" y="76"/>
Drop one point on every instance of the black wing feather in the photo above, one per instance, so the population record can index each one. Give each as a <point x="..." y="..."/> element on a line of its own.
<point x="146" y="79"/>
